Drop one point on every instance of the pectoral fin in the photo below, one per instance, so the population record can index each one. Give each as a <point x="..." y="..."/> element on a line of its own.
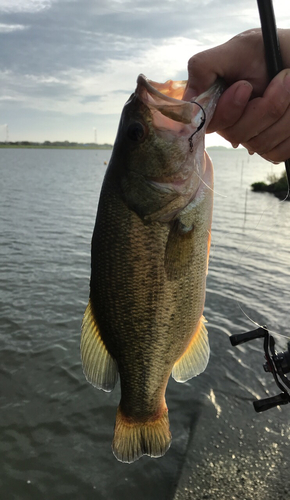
<point x="195" y="359"/>
<point x="179" y="250"/>
<point x="99" y="367"/>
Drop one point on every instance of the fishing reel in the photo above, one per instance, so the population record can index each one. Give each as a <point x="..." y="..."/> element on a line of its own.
<point x="276" y="363"/>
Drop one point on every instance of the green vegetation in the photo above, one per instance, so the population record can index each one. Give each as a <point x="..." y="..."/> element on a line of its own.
<point x="54" y="145"/>
<point x="259" y="186"/>
<point x="277" y="185"/>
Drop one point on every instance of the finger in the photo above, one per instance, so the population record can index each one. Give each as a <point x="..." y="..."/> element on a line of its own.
<point x="280" y="153"/>
<point x="230" y="106"/>
<point x="229" y="61"/>
<point x="262" y="112"/>
<point x="270" y="138"/>
<point x="202" y="73"/>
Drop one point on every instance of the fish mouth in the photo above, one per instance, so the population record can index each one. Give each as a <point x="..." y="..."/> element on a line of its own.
<point x="167" y="98"/>
<point x="169" y="91"/>
<point x="185" y="122"/>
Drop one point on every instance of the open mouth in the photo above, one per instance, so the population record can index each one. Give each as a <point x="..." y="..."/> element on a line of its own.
<point x="167" y="98"/>
<point x="170" y="91"/>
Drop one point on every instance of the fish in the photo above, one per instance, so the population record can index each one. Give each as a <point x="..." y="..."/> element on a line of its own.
<point x="149" y="260"/>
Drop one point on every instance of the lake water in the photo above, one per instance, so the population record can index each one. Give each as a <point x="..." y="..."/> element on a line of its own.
<point x="56" y="429"/>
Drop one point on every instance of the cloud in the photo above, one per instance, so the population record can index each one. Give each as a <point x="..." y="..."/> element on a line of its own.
<point x="24" y="5"/>
<point x="8" y="28"/>
<point x="61" y="35"/>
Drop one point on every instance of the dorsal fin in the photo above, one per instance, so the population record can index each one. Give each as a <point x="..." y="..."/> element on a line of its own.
<point x="99" y="367"/>
<point x="195" y="359"/>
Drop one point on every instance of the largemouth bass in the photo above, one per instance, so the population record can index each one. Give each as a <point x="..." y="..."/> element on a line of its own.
<point x="150" y="249"/>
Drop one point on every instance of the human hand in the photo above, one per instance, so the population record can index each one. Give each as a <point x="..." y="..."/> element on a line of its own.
<point x="250" y="112"/>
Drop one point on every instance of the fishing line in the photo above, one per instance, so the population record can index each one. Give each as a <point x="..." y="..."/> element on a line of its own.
<point x="210" y="188"/>
<point x="202" y="123"/>
<point x="239" y="262"/>
<point x="258" y="324"/>
<point x="274" y="66"/>
<point x="277" y="363"/>
<point x="203" y="120"/>
<point x="259" y="234"/>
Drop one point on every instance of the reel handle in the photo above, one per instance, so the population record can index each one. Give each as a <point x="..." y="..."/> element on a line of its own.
<point x="267" y="403"/>
<point x="241" y="338"/>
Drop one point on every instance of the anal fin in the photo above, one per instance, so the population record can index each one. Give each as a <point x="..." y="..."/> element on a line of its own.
<point x="195" y="359"/>
<point x="99" y="367"/>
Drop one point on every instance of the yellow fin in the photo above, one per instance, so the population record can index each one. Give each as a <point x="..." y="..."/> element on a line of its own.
<point x="134" y="439"/>
<point x="99" y="367"/>
<point x="195" y="359"/>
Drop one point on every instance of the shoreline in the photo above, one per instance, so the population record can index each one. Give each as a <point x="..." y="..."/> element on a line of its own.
<point x="103" y="147"/>
<point x="42" y="146"/>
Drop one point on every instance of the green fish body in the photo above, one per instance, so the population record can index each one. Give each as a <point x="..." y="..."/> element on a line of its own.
<point x="150" y="249"/>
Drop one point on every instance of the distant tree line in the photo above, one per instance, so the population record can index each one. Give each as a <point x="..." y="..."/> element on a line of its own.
<point x="55" y="144"/>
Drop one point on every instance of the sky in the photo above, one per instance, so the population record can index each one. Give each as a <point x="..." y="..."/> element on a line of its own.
<point x="67" y="67"/>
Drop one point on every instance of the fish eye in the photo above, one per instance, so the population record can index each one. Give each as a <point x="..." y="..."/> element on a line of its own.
<point x="136" y="131"/>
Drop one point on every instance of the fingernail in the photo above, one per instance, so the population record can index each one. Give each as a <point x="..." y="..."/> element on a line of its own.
<point x="243" y="93"/>
<point x="235" y="145"/>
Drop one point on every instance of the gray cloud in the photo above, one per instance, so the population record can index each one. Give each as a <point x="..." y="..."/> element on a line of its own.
<point x="67" y="35"/>
<point x="85" y="34"/>
<point x="50" y="47"/>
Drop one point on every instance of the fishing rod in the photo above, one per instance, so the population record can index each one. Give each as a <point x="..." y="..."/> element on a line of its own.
<point x="276" y="363"/>
<point x="272" y="50"/>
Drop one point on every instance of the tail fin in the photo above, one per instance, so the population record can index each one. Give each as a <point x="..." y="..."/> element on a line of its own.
<point x="134" y="439"/>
